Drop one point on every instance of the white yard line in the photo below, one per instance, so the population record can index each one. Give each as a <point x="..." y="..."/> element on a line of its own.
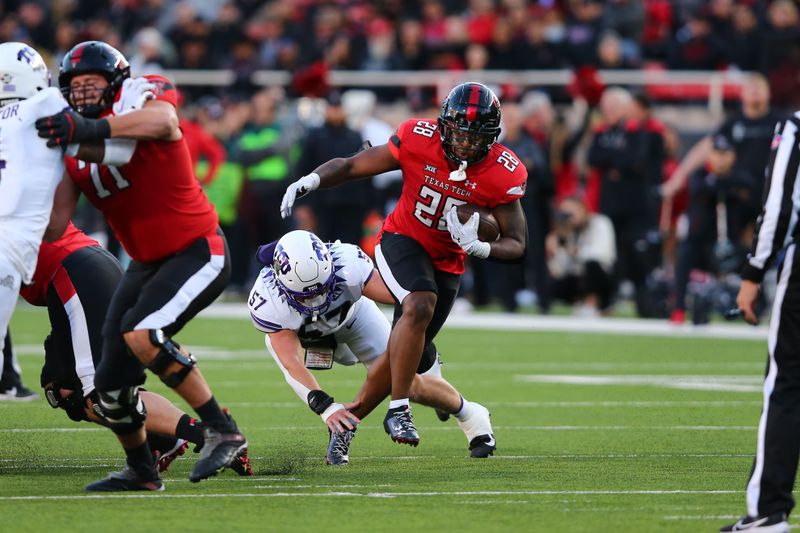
<point x="338" y="494"/>
<point x="685" y="382"/>
<point x="519" y="322"/>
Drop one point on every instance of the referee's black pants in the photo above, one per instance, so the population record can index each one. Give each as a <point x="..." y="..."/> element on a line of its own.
<point x="769" y="489"/>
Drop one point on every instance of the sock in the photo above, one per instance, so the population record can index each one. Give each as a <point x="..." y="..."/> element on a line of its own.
<point x="190" y="429"/>
<point x="212" y="415"/>
<point x="463" y="411"/>
<point x="397" y="404"/>
<point x="141" y="459"/>
<point x="160" y="443"/>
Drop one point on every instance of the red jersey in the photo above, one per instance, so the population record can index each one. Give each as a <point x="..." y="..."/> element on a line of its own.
<point x="153" y="203"/>
<point x="51" y="256"/>
<point x="428" y="194"/>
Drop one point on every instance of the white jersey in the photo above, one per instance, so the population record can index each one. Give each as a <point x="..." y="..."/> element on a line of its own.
<point x="29" y="174"/>
<point x="270" y="312"/>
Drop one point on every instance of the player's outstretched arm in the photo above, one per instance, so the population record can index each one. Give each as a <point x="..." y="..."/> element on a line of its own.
<point x="513" y="232"/>
<point x="285" y="348"/>
<point x="64" y="202"/>
<point x="156" y="121"/>
<point x="370" y="162"/>
<point x="376" y="290"/>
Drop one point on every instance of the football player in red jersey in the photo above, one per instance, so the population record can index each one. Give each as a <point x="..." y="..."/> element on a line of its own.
<point x="75" y="279"/>
<point x="132" y="163"/>
<point x="445" y="163"/>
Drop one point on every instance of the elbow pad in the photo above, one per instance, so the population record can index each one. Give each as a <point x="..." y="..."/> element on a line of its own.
<point x="118" y="152"/>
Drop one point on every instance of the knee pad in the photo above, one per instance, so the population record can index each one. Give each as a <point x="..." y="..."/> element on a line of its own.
<point x="169" y="352"/>
<point x="74" y="404"/>
<point x="123" y="409"/>
<point x="429" y="362"/>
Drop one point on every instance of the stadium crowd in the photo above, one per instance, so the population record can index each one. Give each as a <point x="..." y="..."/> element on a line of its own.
<point x="601" y="225"/>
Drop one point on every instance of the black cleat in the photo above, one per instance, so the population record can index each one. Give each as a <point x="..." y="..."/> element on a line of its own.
<point x="482" y="446"/>
<point x="444" y="416"/>
<point x="400" y="427"/>
<point x="339" y="447"/>
<point x="241" y="465"/>
<point x="774" y="523"/>
<point x="219" y="450"/>
<point x="126" y="480"/>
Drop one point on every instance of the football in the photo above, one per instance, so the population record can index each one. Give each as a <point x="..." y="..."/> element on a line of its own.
<point x="488" y="227"/>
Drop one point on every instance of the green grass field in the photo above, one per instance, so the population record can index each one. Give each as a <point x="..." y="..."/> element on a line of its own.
<point x="594" y="432"/>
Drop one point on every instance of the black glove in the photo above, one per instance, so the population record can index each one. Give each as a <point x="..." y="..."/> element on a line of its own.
<point x="69" y="126"/>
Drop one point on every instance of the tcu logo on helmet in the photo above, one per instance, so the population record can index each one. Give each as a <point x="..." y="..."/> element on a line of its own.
<point x="281" y="263"/>
<point x="26" y="54"/>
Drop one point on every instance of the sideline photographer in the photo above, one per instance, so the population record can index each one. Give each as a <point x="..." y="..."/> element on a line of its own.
<point x="581" y="252"/>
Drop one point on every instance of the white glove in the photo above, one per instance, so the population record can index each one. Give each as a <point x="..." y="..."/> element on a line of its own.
<point x="133" y="95"/>
<point x="466" y="235"/>
<point x="296" y="190"/>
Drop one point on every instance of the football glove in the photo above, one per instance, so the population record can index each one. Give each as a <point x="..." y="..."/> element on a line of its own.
<point x="466" y="235"/>
<point x="133" y="95"/>
<point x="69" y="126"/>
<point x="296" y="190"/>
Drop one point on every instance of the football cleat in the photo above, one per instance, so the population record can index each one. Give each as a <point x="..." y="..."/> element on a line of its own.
<point x="241" y="465"/>
<point x="18" y="394"/>
<point x="126" y="480"/>
<point x="477" y="426"/>
<point x="774" y="523"/>
<point x="219" y="451"/>
<point x="482" y="446"/>
<point x="163" y="460"/>
<point x="339" y="447"/>
<point x="400" y="427"/>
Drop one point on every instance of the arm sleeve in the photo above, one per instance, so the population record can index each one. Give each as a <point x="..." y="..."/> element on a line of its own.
<point x="397" y="139"/>
<point x="776" y="224"/>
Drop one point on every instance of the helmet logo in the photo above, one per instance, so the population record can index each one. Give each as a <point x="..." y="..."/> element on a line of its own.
<point x="75" y="58"/>
<point x="26" y="54"/>
<point x="281" y="263"/>
<point x="472" y="105"/>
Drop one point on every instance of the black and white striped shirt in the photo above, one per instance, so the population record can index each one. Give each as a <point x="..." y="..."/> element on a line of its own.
<point x="777" y="224"/>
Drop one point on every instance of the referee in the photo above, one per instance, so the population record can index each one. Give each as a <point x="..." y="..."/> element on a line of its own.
<point x="769" y="489"/>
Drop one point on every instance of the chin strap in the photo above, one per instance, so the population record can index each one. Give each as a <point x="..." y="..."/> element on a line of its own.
<point x="459" y="175"/>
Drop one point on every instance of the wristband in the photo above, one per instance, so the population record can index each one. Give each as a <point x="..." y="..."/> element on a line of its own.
<point x="481" y="249"/>
<point x="97" y="129"/>
<point x="316" y="179"/>
<point x="330" y="410"/>
<point x="319" y="401"/>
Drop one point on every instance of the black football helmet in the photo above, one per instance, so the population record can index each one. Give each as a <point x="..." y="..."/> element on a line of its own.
<point x="469" y="122"/>
<point x="94" y="57"/>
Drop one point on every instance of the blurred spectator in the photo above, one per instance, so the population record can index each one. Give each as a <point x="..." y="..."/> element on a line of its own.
<point x="626" y="19"/>
<point x="781" y="53"/>
<point x="151" y="53"/>
<point x="745" y="39"/>
<point x="671" y="208"/>
<point x="583" y="29"/>
<point x="695" y="47"/>
<point x="658" y="16"/>
<point x="535" y="203"/>
<point x="750" y="129"/>
<point x="618" y="155"/>
<point x="610" y="54"/>
<point x="581" y="254"/>
<point x="201" y="144"/>
<point x="716" y="220"/>
<point x="263" y="151"/>
<point x="359" y="106"/>
<point x="340" y="214"/>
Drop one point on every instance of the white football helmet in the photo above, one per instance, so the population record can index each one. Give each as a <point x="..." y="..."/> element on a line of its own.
<point x="304" y="271"/>
<point x="23" y="72"/>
